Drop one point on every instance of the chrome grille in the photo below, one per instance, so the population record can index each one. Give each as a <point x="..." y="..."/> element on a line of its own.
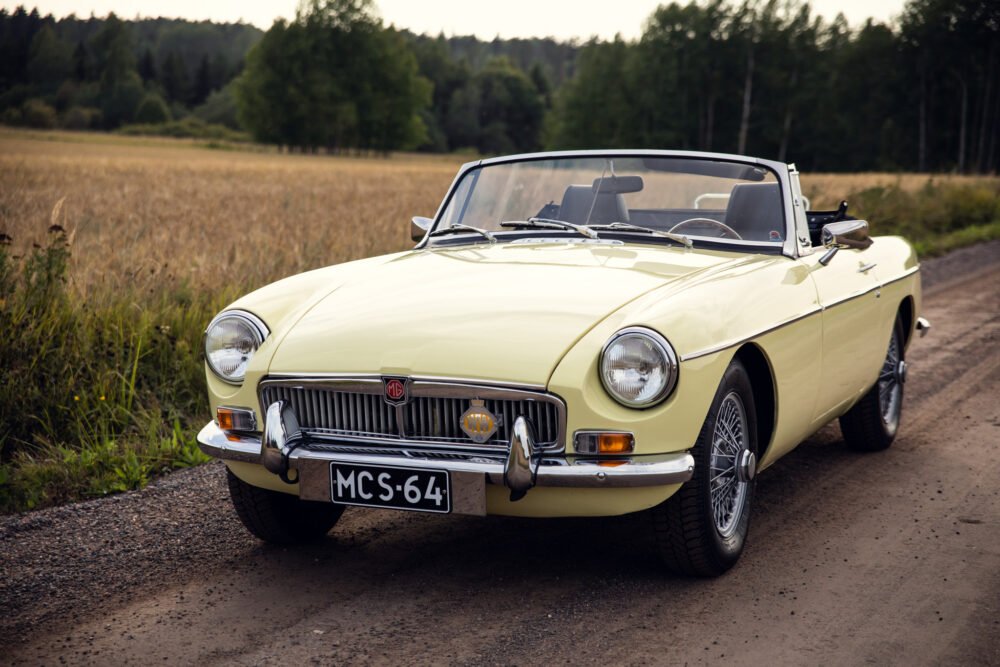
<point x="356" y="410"/>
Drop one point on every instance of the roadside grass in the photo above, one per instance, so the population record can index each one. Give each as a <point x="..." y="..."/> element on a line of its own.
<point x="116" y="251"/>
<point x="98" y="395"/>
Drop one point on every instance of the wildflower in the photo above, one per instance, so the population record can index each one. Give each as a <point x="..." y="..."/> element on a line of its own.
<point x="76" y="398"/>
<point x="102" y="397"/>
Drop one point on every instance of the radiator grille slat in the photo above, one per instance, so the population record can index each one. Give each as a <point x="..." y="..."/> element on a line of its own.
<point x="332" y="412"/>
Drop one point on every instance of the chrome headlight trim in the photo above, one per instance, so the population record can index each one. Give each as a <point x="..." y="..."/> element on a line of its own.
<point x="668" y="358"/>
<point x="253" y="324"/>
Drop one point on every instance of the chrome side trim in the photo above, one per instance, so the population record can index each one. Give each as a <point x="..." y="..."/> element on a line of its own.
<point x="570" y="472"/>
<point x="905" y="274"/>
<point x="723" y="346"/>
<point x="818" y="309"/>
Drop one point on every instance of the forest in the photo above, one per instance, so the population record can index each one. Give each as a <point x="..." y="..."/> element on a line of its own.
<point x="763" y="77"/>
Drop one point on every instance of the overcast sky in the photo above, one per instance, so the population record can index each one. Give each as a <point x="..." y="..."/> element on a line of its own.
<point x="562" y="19"/>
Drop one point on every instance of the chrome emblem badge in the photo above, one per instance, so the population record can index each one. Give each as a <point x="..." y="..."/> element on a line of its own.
<point x="396" y="390"/>
<point x="479" y="423"/>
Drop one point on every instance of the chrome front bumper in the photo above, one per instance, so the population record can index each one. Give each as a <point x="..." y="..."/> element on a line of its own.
<point x="519" y="469"/>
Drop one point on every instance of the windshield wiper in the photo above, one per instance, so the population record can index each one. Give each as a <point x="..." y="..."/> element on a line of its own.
<point x="628" y="227"/>
<point x="455" y="229"/>
<point x="549" y="223"/>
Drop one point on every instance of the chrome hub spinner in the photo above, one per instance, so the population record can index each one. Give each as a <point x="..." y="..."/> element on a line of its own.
<point x="746" y="466"/>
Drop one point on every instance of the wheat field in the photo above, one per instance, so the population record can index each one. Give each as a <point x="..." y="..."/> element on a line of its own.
<point x="148" y="213"/>
<point x="156" y="211"/>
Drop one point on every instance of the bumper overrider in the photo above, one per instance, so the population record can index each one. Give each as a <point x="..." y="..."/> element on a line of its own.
<point x="283" y="450"/>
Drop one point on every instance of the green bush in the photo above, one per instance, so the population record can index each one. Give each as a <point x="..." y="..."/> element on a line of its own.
<point x="36" y="113"/>
<point x="152" y="110"/>
<point x="187" y="128"/>
<point x="931" y="217"/>
<point x="81" y="118"/>
<point x="12" y="116"/>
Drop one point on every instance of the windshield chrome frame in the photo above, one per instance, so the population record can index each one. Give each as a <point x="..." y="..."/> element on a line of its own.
<point x="789" y="248"/>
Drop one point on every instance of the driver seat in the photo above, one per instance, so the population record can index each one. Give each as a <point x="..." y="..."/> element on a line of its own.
<point x="754" y="211"/>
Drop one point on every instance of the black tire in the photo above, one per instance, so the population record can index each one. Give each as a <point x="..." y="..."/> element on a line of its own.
<point x="688" y="537"/>
<point x="871" y="425"/>
<point x="281" y="518"/>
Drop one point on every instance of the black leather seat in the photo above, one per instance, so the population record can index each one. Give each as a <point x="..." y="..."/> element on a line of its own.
<point x="754" y="212"/>
<point x="578" y="200"/>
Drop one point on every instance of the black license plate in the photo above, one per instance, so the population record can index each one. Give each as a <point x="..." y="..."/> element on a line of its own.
<point x="390" y="486"/>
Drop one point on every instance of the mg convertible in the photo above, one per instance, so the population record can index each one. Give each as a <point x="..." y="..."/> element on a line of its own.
<point x="574" y="334"/>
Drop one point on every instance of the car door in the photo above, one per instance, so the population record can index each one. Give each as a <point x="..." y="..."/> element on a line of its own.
<point x="849" y="292"/>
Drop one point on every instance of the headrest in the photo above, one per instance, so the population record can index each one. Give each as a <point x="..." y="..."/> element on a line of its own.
<point x="581" y="205"/>
<point x="754" y="212"/>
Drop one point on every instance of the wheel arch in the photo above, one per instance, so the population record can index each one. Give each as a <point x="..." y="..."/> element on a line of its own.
<point x="761" y="375"/>
<point x="905" y="312"/>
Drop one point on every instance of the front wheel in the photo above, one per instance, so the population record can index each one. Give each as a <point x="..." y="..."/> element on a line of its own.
<point x="871" y="425"/>
<point x="281" y="518"/>
<point x="701" y="529"/>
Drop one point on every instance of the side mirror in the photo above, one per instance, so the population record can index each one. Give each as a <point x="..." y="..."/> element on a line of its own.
<point x="844" y="234"/>
<point x="419" y="226"/>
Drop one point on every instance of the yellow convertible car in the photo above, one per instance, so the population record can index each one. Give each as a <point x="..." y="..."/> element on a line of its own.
<point x="585" y="333"/>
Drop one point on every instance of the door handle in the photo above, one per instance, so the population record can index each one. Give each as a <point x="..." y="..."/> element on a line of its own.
<point x="865" y="268"/>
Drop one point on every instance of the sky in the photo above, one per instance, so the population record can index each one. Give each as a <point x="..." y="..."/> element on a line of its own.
<point x="562" y="19"/>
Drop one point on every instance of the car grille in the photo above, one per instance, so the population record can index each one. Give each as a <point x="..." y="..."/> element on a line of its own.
<point x="332" y="413"/>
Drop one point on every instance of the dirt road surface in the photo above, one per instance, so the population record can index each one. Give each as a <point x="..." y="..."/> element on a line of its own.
<point x="890" y="558"/>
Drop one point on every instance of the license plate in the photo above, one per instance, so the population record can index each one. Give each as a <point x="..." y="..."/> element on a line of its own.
<point x="393" y="487"/>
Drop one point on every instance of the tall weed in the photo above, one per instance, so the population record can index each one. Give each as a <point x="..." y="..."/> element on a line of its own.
<point x="98" y="394"/>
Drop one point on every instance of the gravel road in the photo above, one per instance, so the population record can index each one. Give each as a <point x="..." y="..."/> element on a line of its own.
<point x="884" y="558"/>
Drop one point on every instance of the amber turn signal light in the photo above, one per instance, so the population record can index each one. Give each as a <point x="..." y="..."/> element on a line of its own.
<point x="597" y="442"/>
<point x="615" y="443"/>
<point x="236" y="419"/>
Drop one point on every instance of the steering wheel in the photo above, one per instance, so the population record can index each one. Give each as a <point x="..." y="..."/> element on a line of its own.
<point x="727" y="231"/>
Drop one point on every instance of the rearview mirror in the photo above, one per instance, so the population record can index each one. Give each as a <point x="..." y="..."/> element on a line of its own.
<point x="844" y="234"/>
<point x="618" y="185"/>
<point x="419" y="226"/>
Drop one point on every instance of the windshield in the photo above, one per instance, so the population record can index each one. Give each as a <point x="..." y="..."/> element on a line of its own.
<point x="698" y="198"/>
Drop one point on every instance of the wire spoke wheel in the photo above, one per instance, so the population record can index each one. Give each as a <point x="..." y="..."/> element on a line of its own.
<point x="728" y="441"/>
<point x="889" y="385"/>
<point x="701" y="529"/>
<point x="871" y="424"/>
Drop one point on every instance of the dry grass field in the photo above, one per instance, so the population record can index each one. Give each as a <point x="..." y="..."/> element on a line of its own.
<point x="149" y="212"/>
<point x="156" y="211"/>
<point x="103" y="385"/>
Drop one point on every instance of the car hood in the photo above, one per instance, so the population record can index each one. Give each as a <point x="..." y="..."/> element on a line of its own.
<point x="506" y="312"/>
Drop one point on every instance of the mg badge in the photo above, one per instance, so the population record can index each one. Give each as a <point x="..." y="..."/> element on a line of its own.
<point x="396" y="391"/>
<point x="479" y="423"/>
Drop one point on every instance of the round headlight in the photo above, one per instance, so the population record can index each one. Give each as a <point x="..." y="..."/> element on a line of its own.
<point x="230" y="342"/>
<point x="638" y="367"/>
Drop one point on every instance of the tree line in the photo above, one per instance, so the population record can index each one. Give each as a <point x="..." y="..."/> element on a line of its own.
<point x="774" y="80"/>
<point x="99" y="73"/>
<point x="763" y="77"/>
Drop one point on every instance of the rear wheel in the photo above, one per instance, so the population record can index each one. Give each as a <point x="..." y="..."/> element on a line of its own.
<point x="701" y="529"/>
<point x="281" y="518"/>
<point x="871" y="425"/>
